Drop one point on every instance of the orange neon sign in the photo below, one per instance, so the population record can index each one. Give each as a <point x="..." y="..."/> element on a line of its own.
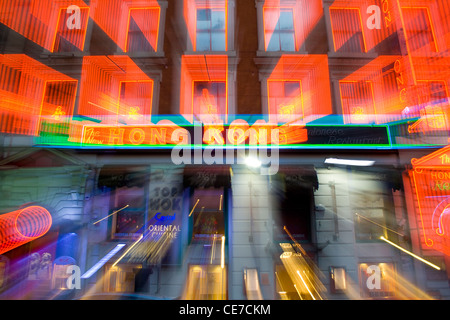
<point x="359" y="26"/>
<point x="166" y="133"/>
<point x="113" y="89"/>
<point x="22" y="226"/>
<point x="298" y="89"/>
<point x="204" y="88"/>
<point x="431" y="178"/>
<point x="32" y="93"/>
<point x="48" y="22"/>
<point x="141" y="20"/>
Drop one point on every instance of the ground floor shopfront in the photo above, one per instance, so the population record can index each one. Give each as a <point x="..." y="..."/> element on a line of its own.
<point x="135" y="224"/>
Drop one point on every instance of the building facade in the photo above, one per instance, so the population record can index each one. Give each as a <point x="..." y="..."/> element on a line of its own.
<point x="224" y="149"/>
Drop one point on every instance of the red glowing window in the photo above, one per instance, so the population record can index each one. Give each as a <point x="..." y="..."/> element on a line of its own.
<point x="31" y="92"/>
<point x="279" y="31"/>
<point x="298" y="89"/>
<point x="347" y="29"/>
<point x="207" y="24"/>
<point x="287" y="23"/>
<point x="432" y="92"/>
<point x="419" y="29"/>
<point x="357" y="101"/>
<point x="209" y="100"/>
<point x="113" y="89"/>
<point x="57" y="106"/>
<point x="48" y="23"/>
<point x="285" y="100"/>
<point x="140" y="18"/>
<point x="204" y="89"/>
<point x="69" y="39"/>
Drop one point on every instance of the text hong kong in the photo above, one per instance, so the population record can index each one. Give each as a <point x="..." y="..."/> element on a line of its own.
<point x="234" y="134"/>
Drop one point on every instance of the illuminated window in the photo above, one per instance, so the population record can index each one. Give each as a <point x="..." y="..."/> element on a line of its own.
<point x="377" y="280"/>
<point x="285" y="25"/>
<point x="208" y="216"/>
<point x="419" y="29"/>
<point x="347" y="31"/>
<point x="338" y="278"/>
<point x="285" y="100"/>
<point x="204" y="88"/>
<point x="280" y="36"/>
<point x="143" y="30"/>
<point x="210" y="30"/>
<point x="120" y="278"/>
<point x="132" y="25"/>
<point x="47" y="22"/>
<point x="357" y="101"/>
<point x="206" y="282"/>
<point x="209" y="100"/>
<point x="432" y="92"/>
<point x="114" y="88"/>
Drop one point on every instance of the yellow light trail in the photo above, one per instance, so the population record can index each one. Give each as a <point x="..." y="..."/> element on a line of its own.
<point x="410" y="253"/>
<point x="222" y="258"/>
<point x="304" y="283"/>
<point x="380" y="225"/>
<point x="128" y="250"/>
<point x="194" y="207"/>
<point x="111" y="214"/>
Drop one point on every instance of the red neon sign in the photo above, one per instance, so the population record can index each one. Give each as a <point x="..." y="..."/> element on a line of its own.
<point x="31" y="92"/>
<point x="166" y="133"/>
<point x="114" y="88"/>
<point x="204" y="88"/>
<point x="431" y="178"/>
<point x="140" y="18"/>
<point x="299" y="89"/>
<point x="22" y="226"/>
<point x="296" y="18"/>
<point x="46" y="22"/>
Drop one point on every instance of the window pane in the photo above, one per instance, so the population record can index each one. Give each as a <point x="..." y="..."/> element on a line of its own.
<point x="204" y="15"/>
<point x="204" y="19"/>
<point x="287" y="42"/>
<point x="203" y="41"/>
<point x="274" y="43"/>
<point x="218" y="20"/>
<point x="291" y="88"/>
<point x="286" y="21"/>
<point x="218" y="41"/>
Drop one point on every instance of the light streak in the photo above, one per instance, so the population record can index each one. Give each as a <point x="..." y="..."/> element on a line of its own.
<point x="360" y="163"/>
<point x="410" y="253"/>
<point x="380" y="225"/>
<point x="304" y="283"/>
<point x="222" y="258"/>
<point x="111" y="214"/>
<point x="194" y="207"/>
<point x="102" y="261"/>
<point x="128" y="250"/>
